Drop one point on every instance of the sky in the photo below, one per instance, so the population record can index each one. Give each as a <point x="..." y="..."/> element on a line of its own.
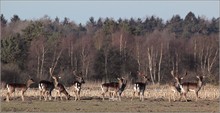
<point x="81" y="11"/>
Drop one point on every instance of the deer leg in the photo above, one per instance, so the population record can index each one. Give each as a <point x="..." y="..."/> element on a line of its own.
<point x="185" y="97"/>
<point x="174" y="96"/>
<point x="75" y="95"/>
<point x="181" y="94"/>
<point x="56" y="96"/>
<point x="133" y="95"/>
<point x="197" y="95"/>
<point x="119" y="97"/>
<point x="103" y="95"/>
<point x="7" y="96"/>
<point x="140" y="95"/>
<point x="114" y="95"/>
<point x="45" y="95"/>
<point x="50" y="96"/>
<point x="40" y="95"/>
<point x="143" y="95"/>
<point x="110" y="95"/>
<point x="78" y="95"/>
<point x="22" y="95"/>
<point x="60" y="95"/>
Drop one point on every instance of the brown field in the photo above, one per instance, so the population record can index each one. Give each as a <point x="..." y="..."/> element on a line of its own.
<point x="156" y="100"/>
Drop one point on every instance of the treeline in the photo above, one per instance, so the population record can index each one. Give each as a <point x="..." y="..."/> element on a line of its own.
<point x="104" y="49"/>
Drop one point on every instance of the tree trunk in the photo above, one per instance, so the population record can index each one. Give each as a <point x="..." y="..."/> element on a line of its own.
<point x="159" y="64"/>
<point x="42" y="61"/>
<point x="150" y="65"/>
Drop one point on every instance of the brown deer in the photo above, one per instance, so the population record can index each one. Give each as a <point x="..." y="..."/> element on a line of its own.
<point x="45" y="87"/>
<point x="114" y="88"/>
<point x="139" y="87"/>
<point x="17" y="86"/>
<point x="58" y="87"/>
<point x="77" y="85"/>
<point x="175" y="86"/>
<point x="191" y="86"/>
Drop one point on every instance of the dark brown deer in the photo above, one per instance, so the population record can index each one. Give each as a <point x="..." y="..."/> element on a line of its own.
<point x="45" y="87"/>
<point x="114" y="88"/>
<point x="77" y="86"/>
<point x="58" y="87"/>
<point x="139" y="87"/>
<point x="18" y="86"/>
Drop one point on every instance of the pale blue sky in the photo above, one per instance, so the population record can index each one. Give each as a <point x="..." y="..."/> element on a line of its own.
<point x="81" y="11"/>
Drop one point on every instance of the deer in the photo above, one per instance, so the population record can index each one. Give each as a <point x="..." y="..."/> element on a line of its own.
<point x="139" y="87"/>
<point x="18" y="86"/>
<point x="175" y="87"/>
<point x="45" y="87"/>
<point x="192" y="86"/>
<point x="58" y="87"/>
<point x="114" y="88"/>
<point x="77" y="85"/>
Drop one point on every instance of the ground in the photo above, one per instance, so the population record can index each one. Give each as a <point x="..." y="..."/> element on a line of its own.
<point x="95" y="104"/>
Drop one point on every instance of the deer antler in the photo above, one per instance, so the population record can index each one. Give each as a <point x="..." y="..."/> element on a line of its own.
<point x="74" y="73"/>
<point x="172" y="73"/>
<point x="50" y="70"/>
<point x="185" y="73"/>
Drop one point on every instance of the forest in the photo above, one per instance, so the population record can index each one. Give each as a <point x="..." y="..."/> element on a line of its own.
<point x="104" y="49"/>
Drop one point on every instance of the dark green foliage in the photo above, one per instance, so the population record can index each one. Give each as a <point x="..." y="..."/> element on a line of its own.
<point x="14" y="50"/>
<point x="15" y="19"/>
<point x="3" y="21"/>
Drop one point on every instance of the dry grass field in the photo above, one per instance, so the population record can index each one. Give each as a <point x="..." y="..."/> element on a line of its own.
<point x="156" y="100"/>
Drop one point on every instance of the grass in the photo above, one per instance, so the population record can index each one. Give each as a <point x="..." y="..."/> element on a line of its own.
<point x="156" y="100"/>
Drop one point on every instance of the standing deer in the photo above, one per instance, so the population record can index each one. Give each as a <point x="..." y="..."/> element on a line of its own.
<point x="175" y="87"/>
<point x="45" y="87"/>
<point x="77" y="86"/>
<point x="114" y="88"/>
<point x="58" y="87"/>
<point x="139" y="87"/>
<point x="190" y="86"/>
<point x="17" y="86"/>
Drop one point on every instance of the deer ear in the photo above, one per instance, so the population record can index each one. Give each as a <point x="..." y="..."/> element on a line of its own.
<point x="197" y="76"/>
<point x="181" y="78"/>
<point x="118" y="78"/>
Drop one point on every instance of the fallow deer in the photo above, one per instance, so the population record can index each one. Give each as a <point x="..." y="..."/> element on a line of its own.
<point x="18" y="86"/>
<point x="139" y="87"/>
<point x="58" y="87"/>
<point x="77" y="85"/>
<point x="191" y="86"/>
<point x="45" y="87"/>
<point x="175" y="86"/>
<point x="114" y="88"/>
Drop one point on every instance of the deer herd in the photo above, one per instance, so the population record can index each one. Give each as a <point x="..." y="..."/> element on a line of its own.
<point x="114" y="89"/>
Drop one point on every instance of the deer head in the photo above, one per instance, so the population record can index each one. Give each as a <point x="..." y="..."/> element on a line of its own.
<point x="177" y="77"/>
<point x="79" y="78"/>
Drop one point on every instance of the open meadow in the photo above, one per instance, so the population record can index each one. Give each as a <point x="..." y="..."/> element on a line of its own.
<point x="156" y="100"/>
